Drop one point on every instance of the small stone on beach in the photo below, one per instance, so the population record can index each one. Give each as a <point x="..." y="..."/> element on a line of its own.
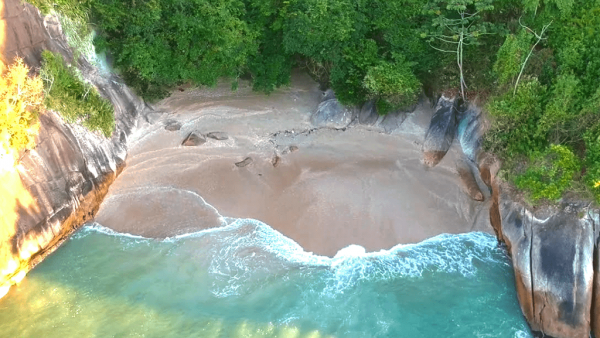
<point x="275" y="161"/>
<point x="218" y="135"/>
<point x="172" y="125"/>
<point x="244" y="163"/>
<point x="193" y="140"/>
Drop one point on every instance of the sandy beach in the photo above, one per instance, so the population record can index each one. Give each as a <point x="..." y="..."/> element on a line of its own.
<point x="324" y="188"/>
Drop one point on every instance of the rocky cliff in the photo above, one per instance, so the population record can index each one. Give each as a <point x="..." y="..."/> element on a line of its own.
<point x="59" y="184"/>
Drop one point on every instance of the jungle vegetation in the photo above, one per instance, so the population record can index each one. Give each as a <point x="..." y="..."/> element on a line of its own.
<point x="533" y="64"/>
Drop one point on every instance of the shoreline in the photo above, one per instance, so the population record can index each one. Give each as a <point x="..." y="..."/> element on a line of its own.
<point x="324" y="188"/>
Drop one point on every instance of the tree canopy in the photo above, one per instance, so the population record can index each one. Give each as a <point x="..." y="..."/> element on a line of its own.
<point x="534" y="64"/>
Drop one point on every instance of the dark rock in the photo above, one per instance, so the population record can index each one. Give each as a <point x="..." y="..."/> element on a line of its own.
<point x="516" y="232"/>
<point x="392" y="121"/>
<point x="331" y="113"/>
<point x="328" y="95"/>
<point x="562" y="269"/>
<point x="469" y="132"/>
<point x="218" y="135"/>
<point x="467" y="176"/>
<point x="290" y="149"/>
<point x="172" y="125"/>
<point x="368" y="114"/>
<point x="553" y="262"/>
<point x="245" y="162"/>
<point x="193" y="140"/>
<point x="440" y="134"/>
<point x="596" y="300"/>
<point x="275" y="161"/>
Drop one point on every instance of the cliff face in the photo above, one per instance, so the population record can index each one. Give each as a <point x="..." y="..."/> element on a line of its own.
<point x="554" y="262"/>
<point x="555" y="258"/>
<point x="59" y="184"/>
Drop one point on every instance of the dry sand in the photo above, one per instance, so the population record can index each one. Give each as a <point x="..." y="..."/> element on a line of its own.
<point x="357" y="186"/>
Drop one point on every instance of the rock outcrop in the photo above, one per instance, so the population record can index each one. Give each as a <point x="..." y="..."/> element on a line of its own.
<point x="331" y="113"/>
<point x="193" y="139"/>
<point x="467" y="173"/>
<point x="61" y="182"/>
<point x="553" y="261"/>
<point x="368" y="113"/>
<point x="58" y="185"/>
<point x="469" y="131"/>
<point x="441" y="132"/>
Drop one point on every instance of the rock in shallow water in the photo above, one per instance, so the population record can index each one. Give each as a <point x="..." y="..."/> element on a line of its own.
<point x="194" y="139"/>
<point x="245" y="162"/>
<point x="275" y="161"/>
<point x="172" y="125"/>
<point x="218" y="135"/>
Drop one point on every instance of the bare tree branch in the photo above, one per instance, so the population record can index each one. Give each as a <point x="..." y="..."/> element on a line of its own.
<point x="539" y="38"/>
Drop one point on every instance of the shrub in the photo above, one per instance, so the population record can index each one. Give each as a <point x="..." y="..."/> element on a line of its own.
<point x="549" y="173"/>
<point x="74" y="21"/>
<point x="20" y="101"/>
<point x="511" y="56"/>
<point x="592" y="162"/>
<point x="559" y="121"/>
<point x="77" y="101"/>
<point x="393" y="82"/>
<point x="515" y="121"/>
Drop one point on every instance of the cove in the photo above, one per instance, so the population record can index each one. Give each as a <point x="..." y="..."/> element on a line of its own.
<point x="324" y="232"/>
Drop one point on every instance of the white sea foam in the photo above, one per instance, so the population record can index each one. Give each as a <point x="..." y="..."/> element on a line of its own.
<point x="245" y="249"/>
<point x="99" y="228"/>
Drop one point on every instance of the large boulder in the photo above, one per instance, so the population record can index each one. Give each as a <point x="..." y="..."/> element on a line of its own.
<point x="596" y="300"/>
<point x="553" y="263"/>
<point x="331" y="113"/>
<point x="467" y="172"/>
<point x="440" y="134"/>
<point x="368" y="113"/>
<point x="469" y="131"/>
<point x="194" y="139"/>
<point x="392" y="121"/>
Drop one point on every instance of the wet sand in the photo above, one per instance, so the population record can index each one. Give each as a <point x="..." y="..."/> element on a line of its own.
<point x="323" y="188"/>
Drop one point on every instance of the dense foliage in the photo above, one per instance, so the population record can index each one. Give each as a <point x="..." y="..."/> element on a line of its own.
<point x="76" y="100"/>
<point x="555" y="48"/>
<point x="534" y="63"/>
<point x="20" y="101"/>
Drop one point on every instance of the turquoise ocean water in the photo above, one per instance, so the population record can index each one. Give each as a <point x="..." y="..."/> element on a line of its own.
<point x="248" y="280"/>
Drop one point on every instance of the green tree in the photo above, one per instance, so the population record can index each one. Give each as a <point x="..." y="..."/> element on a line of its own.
<point x="159" y="43"/>
<point x="456" y="24"/>
<point x="393" y="82"/>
